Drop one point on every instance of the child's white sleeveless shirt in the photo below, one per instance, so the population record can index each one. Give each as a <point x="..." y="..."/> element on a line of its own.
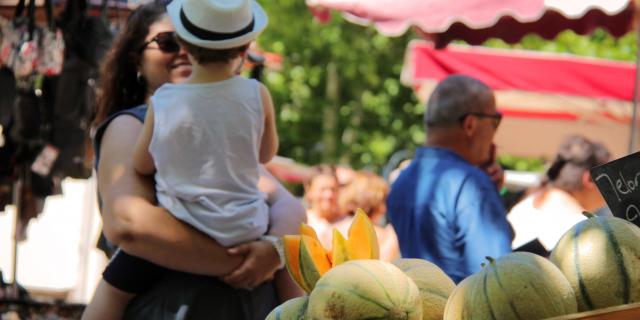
<point x="205" y="146"/>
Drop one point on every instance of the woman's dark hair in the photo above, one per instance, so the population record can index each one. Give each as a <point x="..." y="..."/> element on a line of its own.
<point x="120" y="88"/>
<point x="575" y="155"/>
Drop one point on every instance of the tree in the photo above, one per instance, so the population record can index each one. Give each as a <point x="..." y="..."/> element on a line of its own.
<point x="338" y="96"/>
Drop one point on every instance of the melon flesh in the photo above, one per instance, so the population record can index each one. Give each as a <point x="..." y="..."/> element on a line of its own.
<point x="363" y="241"/>
<point x="306" y="229"/>
<point x="291" y="245"/>
<point x="313" y="261"/>
<point x="339" y="253"/>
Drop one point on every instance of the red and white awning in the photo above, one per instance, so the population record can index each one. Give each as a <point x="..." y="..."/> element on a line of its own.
<point x="478" y="20"/>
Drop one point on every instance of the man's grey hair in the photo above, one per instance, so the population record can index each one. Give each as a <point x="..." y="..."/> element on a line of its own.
<point x="454" y="97"/>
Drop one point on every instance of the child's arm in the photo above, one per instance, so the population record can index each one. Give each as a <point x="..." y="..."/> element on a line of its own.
<point x="269" y="144"/>
<point x="142" y="160"/>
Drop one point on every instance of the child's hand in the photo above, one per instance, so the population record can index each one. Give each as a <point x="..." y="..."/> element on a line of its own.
<point x="260" y="263"/>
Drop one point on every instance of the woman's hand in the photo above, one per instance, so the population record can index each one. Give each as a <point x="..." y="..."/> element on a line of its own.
<point x="260" y="263"/>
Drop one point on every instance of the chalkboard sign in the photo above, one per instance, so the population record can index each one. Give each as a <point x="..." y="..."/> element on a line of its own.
<point x="619" y="183"/>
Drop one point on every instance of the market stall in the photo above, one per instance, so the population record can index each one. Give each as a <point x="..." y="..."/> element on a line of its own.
<point x="544" y="97"/>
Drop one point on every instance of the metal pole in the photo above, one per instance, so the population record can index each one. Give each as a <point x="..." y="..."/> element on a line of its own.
<point x="17" y="201"/>
<point x="633" y="141"/>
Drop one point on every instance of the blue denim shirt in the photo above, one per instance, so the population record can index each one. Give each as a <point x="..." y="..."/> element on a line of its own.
<point x="448" y="212"/>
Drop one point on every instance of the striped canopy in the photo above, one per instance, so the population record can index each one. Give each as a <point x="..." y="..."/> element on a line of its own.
<point x="477" y="20"/>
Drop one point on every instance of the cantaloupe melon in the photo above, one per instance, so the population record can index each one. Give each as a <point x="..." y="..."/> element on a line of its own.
<point x="519" y="285"/>
<point x="339" y="253"/>
<point x="291" y="244"/>
<point x="292" y="309"/>
<point x="313" y="261"/>
<point x="600" y="257"/>
<point x="362" y="241"/>
<point x="308" y="230"/>
<point x="434" y="285"/>
<point x="365" y="289"/>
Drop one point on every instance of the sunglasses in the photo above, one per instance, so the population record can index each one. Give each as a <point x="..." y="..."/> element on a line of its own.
<point x="166" y="41"/>
<point x="496" y="117"/>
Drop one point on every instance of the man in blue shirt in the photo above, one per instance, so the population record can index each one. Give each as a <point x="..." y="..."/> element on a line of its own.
<point x="442" y="206"/>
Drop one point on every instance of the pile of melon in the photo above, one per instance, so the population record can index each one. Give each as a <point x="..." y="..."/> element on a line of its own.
<point x="349" y="282"/>
<point x="596" y="264"/>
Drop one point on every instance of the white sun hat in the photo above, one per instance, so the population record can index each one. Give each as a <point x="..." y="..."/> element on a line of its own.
<point x="217" y="24"/>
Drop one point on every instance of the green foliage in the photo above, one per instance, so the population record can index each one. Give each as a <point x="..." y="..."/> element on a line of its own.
<point x="599" y="44"/>
<point x="370" y="113"/>
<point x="509" y="162"/>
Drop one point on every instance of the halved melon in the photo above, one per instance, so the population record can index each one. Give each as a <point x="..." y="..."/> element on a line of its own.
<point x="340" y="253"/>
<point x="313" y="260"/>
<point x="363" y="242"/>
<point x="292" y="259"/>
<point x="308" y="230"/>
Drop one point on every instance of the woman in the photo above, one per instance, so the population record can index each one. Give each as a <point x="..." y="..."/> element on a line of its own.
<point x="368" y="191"/>
<point x="541" y="218"/>
<point x="144" y="57"/>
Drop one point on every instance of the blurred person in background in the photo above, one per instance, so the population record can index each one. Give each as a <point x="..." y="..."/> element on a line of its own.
<point x="345" y="174"/>
<point x="323" y="210"/>
<point x="368" y="192"/>
<point x="542" y="217"/>
<point x="445" y="206"/>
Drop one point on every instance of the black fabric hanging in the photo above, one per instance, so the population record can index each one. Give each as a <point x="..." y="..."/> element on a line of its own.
<point x="87" y="40"/>
<point x="7" y="96"/>
<point x="7" y="149"/>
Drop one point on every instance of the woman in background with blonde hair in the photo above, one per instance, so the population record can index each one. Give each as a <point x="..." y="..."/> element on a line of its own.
<point x="368" y="192"/>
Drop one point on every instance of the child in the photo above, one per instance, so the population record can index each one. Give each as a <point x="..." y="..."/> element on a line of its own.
<point x="204" y="139"/>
